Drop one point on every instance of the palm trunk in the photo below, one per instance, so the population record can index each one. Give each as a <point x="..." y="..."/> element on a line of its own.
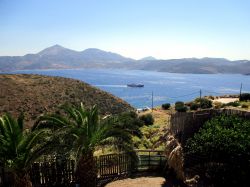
<point x="86" y="172"/>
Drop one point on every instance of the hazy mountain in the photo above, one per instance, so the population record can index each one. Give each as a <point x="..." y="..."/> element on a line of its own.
<point x="58" y="57"/>
<point x="195" y="65"/>
<point x="148" y="58"/>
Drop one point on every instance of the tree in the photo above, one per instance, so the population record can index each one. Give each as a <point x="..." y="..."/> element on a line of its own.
<point x="225" y="142"/>
<point x="20" y="148"/>
<point x="87" y="132"/>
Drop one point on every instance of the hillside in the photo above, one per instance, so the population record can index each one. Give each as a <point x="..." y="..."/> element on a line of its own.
<point x="58" y="57"/>
<point x="36" y="94"/>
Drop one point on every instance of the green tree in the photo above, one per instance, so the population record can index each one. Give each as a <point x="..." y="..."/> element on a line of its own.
<point x="87" y="133"/>
<point x="20" y="148"/>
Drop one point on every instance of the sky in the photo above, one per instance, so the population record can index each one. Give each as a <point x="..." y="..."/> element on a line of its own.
<point x="164" y="29"/>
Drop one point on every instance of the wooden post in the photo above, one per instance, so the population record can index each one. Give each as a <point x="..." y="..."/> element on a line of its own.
<point x="152" y="103"/>
<point x="160" y="159"/>
<point x="148" y="159"/>
<point x="200" y="99"/>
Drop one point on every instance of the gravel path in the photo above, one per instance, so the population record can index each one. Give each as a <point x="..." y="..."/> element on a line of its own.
<point x="139" y="182"/>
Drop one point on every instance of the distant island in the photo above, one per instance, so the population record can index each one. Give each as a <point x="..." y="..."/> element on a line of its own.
<point x="58" y="57"/>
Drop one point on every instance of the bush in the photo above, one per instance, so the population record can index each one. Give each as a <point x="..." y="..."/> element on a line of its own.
<point x="166" y="106"/>
<point x="131" y="121"/>
<point x="245" y="97"/>
<point x="204" y="103"/>
<point x="223" y="141"/>
<point x="180" y="107"/>
<point x="194" y="106"/>
<point x="147" y="119"/>
<point x="234" y="104"/>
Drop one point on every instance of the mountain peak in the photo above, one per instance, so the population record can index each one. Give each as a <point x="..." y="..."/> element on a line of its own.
<point x="148" y="58"/>
<point x="100" y="55"/>
<point x="54" y="50"/>
<point x="57" y="46"/>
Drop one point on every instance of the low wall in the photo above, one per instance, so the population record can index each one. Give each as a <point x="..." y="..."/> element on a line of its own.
<point x="183" y="125"/>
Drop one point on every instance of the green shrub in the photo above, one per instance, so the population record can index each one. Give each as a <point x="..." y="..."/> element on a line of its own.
<point x="165" y="106"/>
<point x="131" y="121"/>
<point x="223" y="141"/>
<point x="147" y="119"/>
<point x="194" y="106"/>
<point x="180" y="107"/>
<point x="234" y="104"/>
<point x="179" y="103"/>
<point x="245" y="97"/>
<point x="204" y="103"/>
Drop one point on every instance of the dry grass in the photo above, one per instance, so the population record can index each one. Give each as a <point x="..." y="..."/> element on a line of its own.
<point x="35" y="94"/>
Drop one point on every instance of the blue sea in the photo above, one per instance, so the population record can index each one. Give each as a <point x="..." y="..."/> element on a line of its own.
<point x="162" y="87"/>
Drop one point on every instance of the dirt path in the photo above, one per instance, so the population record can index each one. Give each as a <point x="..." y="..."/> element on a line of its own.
<point x="139" y="182"/>
<point x="226" y="100"/>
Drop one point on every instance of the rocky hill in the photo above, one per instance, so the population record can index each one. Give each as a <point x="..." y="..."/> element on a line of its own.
<point x="36" y="94"/>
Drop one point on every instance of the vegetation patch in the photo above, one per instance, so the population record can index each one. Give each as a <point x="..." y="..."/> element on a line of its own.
<point x="203" y="102"/>
<point x="245" y="97"/>
<point x="147" y="119"/>
<point x="180" y="106"/>
<point x="223" y="146"/>
<point x="165" y="106"/>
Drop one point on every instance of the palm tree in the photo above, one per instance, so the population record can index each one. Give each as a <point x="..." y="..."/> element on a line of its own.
<point x="87" y="132"/>
<point x="20" y="148"/>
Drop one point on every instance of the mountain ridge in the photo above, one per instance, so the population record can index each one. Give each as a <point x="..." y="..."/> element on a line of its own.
<point x="59" y="57"/>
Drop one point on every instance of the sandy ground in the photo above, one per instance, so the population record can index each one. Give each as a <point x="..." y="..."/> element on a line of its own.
<point x="139" y="182"/>
<point x="226" y="100"/>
